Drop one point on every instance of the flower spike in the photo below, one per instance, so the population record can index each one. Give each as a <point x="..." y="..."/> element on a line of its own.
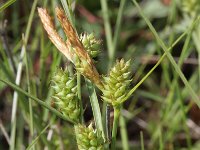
<point x="116" y="85"/>
<point x="91" y="45"/>
<point x="65" y="94"/>
<point x="88" y="138"/>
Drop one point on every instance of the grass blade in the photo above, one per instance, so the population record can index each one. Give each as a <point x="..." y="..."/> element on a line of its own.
<point x="29" y="91"/>
<point x="95" y="106"/>
<point x="8" y="3"/>
<point x="105" y="13"/>
<point x="17" y="88"/>
<point x="36" y="139"/>
<point x="117" y="29"/>
<point x="155" y="66"/>
<point x="123" y="130"/>
<point x="161" y="43"/>
<point x="142" y="140"/>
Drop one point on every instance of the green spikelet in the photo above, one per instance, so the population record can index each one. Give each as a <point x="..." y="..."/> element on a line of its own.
<point x="88" y="138"/>
<point x="91" y="45"/>
<point x="116" y="85"/>
<point x="65" y="95"/>
<point x="191" y="7"/>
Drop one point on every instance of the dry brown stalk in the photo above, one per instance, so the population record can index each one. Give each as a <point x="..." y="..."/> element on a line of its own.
<point x="53" y="35"/>
<point x="87" y="66"/>
<point x="72" y="35"/>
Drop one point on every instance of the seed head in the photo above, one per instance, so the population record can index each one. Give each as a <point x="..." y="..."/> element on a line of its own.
<point x="65" y="95"/>
<point x="91" y="45"/>
<point x="88" y="138"/>
<point x="116" y="85"/>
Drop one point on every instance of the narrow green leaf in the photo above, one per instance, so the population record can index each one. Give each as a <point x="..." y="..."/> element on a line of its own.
<point x="95" y="106"/>
<point x="124" y="133"/>
<point x="17" y="88"/>
<point x="142" y="140"/>
<point x="6" y="4"/>
<point x="173" y="62"/>
<point x="167" y="52"/>
<point x="37" y="138"/>
<point x="155" y="66"/>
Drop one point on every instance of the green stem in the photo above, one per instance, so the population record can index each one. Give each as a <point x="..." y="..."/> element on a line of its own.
<point x="142" y="140"/>
<point x="104" y="7"/>
<point x="117" y="30"/>
<point x="29" y="91"/>
<point x="6" y="4"/>
<point x="115" y="126"/>
<point x="79" y="95"/>
<point x="37" y="138"/>
<point x="123" y="131"/>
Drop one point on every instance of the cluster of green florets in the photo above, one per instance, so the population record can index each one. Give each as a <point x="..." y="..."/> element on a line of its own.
<point x="116" y="84"/>
<point x="65" y="94"/>
<point x="88" y="138"/>
<point x="91" y="44"/>
<point x="115" y="89"/>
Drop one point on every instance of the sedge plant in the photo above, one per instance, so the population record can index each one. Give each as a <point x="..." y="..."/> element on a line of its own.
<point x="81" y="50"/>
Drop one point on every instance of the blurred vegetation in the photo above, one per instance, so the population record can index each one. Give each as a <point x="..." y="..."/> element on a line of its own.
<point x="162" y="112"/>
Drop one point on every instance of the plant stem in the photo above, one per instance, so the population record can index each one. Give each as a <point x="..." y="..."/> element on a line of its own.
<point x="117" y="30"/>
<point x="37" y="138"/>
<point x="108" y="130"/>
<point x="6" y="4"/>
<point x="29" y="91"/>
<point x="115" y="125"/>
<point x="105" y="13"/>
<point x="142" y="140"/>
<point x="124" y="135"/>
<point x="79" y="95"/>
